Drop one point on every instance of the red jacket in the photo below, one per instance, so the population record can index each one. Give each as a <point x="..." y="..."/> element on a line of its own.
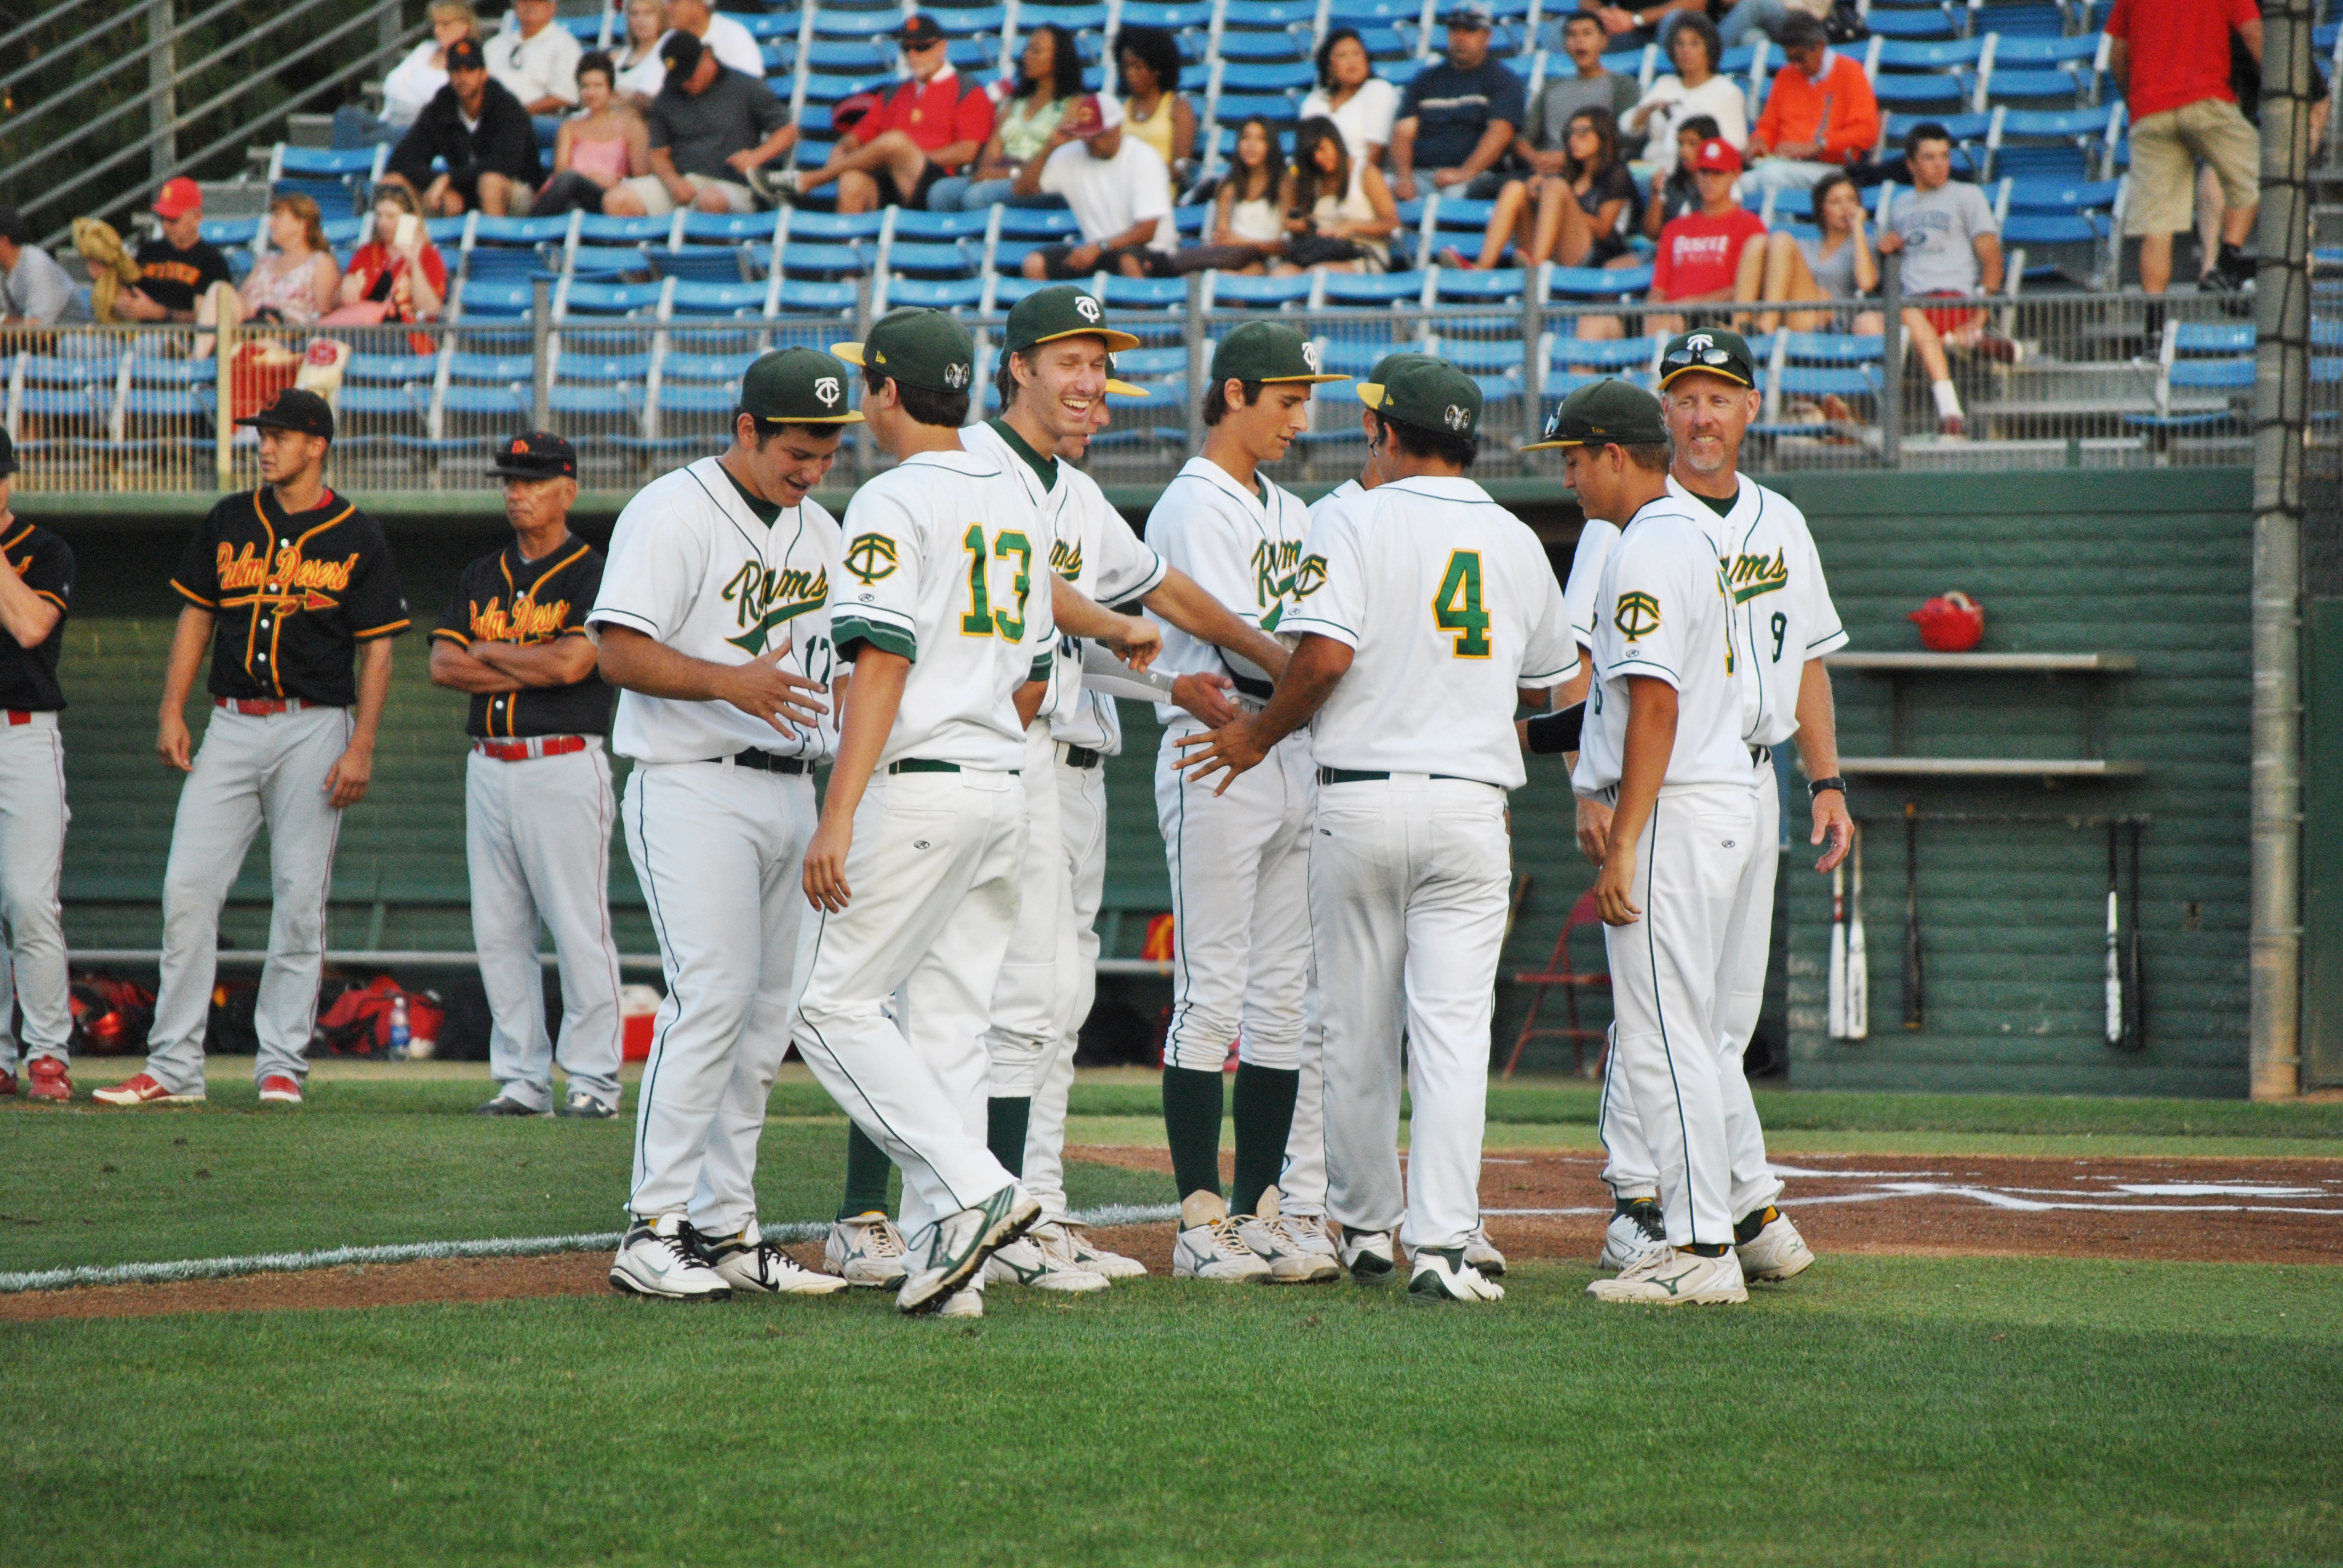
<point x="1839" y="111"/>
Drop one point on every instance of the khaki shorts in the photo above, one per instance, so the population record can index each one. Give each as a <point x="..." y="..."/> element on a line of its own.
<point x="2165" y="151"/>
<point x="658" y="203"/>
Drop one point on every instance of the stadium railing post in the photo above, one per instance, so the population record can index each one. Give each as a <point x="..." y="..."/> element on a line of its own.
<point x="1891" y="394"/>
<point x="541" y="323"/>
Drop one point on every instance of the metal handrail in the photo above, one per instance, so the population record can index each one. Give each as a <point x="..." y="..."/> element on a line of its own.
<point x="12" y="77"/>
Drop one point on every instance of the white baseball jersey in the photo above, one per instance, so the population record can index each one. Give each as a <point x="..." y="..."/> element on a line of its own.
<point x="946" y="563"/>
<point x="691" y="567"/>
<point x="1595" y="539"/>
<point x="1781" y="611"/>
<point x="1662" y="610"/>
<point x="1450" y="604"/>
<point x="1242" y="545"/>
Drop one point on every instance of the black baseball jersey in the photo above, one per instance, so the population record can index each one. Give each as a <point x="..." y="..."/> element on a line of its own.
<point x="28" y="676"/>
<point x="505" y="598"/>
<point x="293" y="594"/>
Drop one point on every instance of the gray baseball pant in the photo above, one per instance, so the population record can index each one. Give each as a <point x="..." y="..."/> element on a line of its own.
<point x="33" y="817"/>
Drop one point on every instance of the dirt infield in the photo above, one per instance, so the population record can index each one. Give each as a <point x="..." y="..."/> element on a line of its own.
<point x="1542" y="1205"/>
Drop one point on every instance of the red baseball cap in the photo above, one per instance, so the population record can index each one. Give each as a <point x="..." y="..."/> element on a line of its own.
<point x="1717" y="154"/>
<point x="177" y="198"/>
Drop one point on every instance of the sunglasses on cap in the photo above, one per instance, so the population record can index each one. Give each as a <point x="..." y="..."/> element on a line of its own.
<point x="1684" y="357"/>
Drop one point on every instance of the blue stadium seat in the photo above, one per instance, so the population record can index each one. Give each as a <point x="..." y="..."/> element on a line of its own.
<point x="934" y="293"/>
<point x="1224" y="289"/>
<point x="725" y="301"/>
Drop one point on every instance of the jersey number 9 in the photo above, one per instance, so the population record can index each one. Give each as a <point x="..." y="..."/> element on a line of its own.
<point x="982" y="619"/>
<point x="1456" y="608"/>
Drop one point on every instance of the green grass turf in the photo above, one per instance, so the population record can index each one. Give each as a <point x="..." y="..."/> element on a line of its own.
<point x="1898" y="1412"/>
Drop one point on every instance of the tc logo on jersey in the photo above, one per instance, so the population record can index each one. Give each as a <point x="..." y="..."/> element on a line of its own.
<point x="1087" y="308"/>
<point x="872" y="556"/>
<point x="829" y="391"/>
<point x="1638" y="615"/>
<point x="1309" y="577"/>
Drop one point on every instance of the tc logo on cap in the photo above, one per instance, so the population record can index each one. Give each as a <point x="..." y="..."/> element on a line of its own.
<point x="1700" y="341"/>
<point x="955" y="376"/>
<point x="1310" y="355"/>
<point x="1087" y="308"/>
<point x="828" y="390"/>
<point x="1457" y="418"/>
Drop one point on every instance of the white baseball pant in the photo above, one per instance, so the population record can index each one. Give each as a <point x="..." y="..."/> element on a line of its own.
<point x="536" y="837"/>
<point x="1082" y="828"/>
<point x="1023" y="1039"/>
<point x="1671" y="973"/>
<point x="933" y="871"/>
<point x="1407" y="898"/>
<point x="33" y="817"/>
<point x="719" y="850"/>
<point x="1630" y="1169"/>
<point x="1302" y="1180"/>
<point x="248" y="771"/>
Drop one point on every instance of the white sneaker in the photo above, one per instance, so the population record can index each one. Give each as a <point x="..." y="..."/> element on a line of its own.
<point x="867" y="1251"/>
<point x="968" y="1302"/>
<point x="661" y="1258"/>
<point x="1668" y="1278"/>
<point x="1482" y="1252"/>
<point x="1368" y="1255"/>
<point x="749" y="1262"/>
<point x="1209" y="1247"/>
<point x="1068" y="1241"/>
<point x="1633" y="1236"/>
<point x="1307" y="1233"/>
<point x="1777" y="1252"/>
<point x="951" y="1252"/>
<point x="1266" y="1235"/>
<point x="1025" y="1262"/>
<point x="1443" y="1274"/>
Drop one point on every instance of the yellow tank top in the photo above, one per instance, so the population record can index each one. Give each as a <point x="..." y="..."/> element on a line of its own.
<point x="1155" y="130"/>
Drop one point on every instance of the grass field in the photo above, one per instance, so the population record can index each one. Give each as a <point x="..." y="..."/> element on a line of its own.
<point x="1898" y="1411"/>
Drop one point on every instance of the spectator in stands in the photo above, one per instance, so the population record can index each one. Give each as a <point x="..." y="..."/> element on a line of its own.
<point x="1154" y="110"/>
<point x="1820" y="116"/>
<point x="1340" y="214"/>
<point x="1572" y="217"/>
<point x="1693" y="88"/>
<point x="1247" y="219"/>
<point x="482" y="132"/>
<point x="35" y="291"/>
<point x="1118" y="188"/>
<point x="926" y="129"/>
<point x="712" y="130"/>
<point x="1835" y="266"/>
<point x="1349" y="94"/>
<point x="398" y="268"/>
<point x="1049" y="78"/>
<point x="415" y="81"/>
<point x="1712" y="255"/>
<point x="178" y="267"/>
<point x="1951" y="247"/>
<point x="1677" y="195"/>
<point x="1591" y="86"/>
<point x="295" y="283"/>
<point x="639" y="72"/>
<point x="605" y="142"/>
<point x="1457" y="118"/>
<point x="1657" y="23"/>
<point x="734" y="45"/>
<point x="535" y="61"/>
<point x="2172" y="60"/>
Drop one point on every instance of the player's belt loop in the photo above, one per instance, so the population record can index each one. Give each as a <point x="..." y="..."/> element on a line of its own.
<point x="1079" y="757"/>
<point x="767" y="763"/>
<point x="922" y="765"/>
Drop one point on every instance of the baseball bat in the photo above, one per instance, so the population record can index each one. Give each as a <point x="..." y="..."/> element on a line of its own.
<point x="2115" y="987"/>
<point x="1858" y="957"/>
<point x="1102" y="672"/>
<point x="1837" y="1023"/>
<point x="1913" y="978"/>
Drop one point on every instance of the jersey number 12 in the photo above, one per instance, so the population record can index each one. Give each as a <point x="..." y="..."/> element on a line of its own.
<point x="1456" y="608"/>
<point x="982" y="619"/>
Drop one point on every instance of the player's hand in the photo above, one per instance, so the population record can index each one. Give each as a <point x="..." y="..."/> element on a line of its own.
<point x="1205" y="696"/>
<point x="347" y="779"/>
<point x="1593" y="830"/>
<point x="1231" y="749"/>
<point x="785" y="700"/>
<point x="1138" y="644"/>
<point x="173" y="745"/>
<point x="1611" y="885"/>
<point x="825" y="865"/>
<point x="1832" y="822"/>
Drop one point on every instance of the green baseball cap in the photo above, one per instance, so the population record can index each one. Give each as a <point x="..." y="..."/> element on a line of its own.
<point x="919" y="349"/>
<point x="1427" y="393"/>
<point x="1383" y="367"/>
<point x="1603" y="414"/>
<point x="1266" y="351"/>
<point x="1064" y="311"/>
<point x="1713" y="350"/>
<point x="798" y="387"/>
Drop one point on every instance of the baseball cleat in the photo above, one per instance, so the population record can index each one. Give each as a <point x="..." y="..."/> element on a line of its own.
<point x="7" y="1084"/>
<point x="277" y="1088"/>
<point x="504" y="1106"/>
<point x="1070" y="1242"/>
<point x="867" y="1251"/>
<point x="580" y="1103"/>
<point x="1368" y="1255"/>
<point x="1025" y="1262"/>
<point x="1209" y="1247"/>
<point x="52" y="1080"/>
<point x="965" y="1302"/>
<point x="1482" y="1252"/>
<point x="1446" y="1274"/>
<point x="951" y="1252"/>
<point x="1669" y="1278"/>
<point x="661" y="1258"/>
<point x="1776" y="1252"/>
<point x="142" y="1090"/>
<point x="1273" y="1239"/>
<point x="749" y="1262"/>
<point x="1633" y="1235"/>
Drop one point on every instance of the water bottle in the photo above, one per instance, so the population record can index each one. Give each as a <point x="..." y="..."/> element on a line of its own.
<point x="398" y="1029"/>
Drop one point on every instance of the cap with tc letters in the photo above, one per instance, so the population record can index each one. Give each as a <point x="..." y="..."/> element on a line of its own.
<point x="1713" y="350"/>
<point x="1604" y="413"/>
<point x="798" y="387"/>
<point x="924" y="348"/>
<point x="1064" y="311"/>
<point x="295" y="409"/>
<point x="1428" y="392"/>
<point x="465" y="54"/>
<point x="540" y="455"/>
<point x="1267" y="351"/>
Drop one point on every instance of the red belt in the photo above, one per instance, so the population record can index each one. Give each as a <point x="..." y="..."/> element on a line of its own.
<point x="261" y="707"/>
<point x="16" y="717"/>
<point x="522" y="750"/>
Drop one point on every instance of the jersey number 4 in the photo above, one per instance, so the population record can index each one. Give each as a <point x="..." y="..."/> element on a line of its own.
<point x="982" y="619"/>
<point x="1456" y="608"/>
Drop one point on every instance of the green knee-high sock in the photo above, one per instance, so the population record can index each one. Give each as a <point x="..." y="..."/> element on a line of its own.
<point x="1264" y="1116"/>
<point x="867" y="1171"/>
<point x="1004" y="1129"/>
<point x="1192" y="1125"/>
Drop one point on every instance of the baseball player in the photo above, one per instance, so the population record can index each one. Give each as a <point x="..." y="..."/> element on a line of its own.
<point x="289" y="584"/>
<point x="1662" y="747"/>
<point x="1238" y="860"/>
<point x="1425" y="611"/>
<point x="36" y="591"/>
<point x="1783" y="623"/>
<point x="713" y="623"/>
<point x="537" y="803"/>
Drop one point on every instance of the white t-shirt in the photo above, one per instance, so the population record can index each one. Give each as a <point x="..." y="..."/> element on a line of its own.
<point x="533" y="68"/>
<point x="1720" y="96"/>
<point x="1111" y="195"/>
<point x="691" y="567"/>
<point x="1781" y="611"/>
<point x="735" y="48"/>
<point x="946" y="563"/>
<point x="412" y="83"/>
<point x="1451" y="606"/>
<point x="1365" y="121"/>
<point x="1662" y="611"/>
<point x="1242" y="547"/>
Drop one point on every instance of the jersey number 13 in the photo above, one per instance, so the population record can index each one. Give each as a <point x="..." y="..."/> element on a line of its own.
<point x="982" y="619"/>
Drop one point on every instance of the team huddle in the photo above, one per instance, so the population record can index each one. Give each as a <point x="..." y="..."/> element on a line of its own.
<point x="1338" y="687"/>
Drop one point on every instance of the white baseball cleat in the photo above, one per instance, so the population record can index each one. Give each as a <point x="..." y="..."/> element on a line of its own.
<point x="1482" y="1252"/>
<point x="951" y="1252"/>
<point x="867" y="1251"/>
<point x="661" y="1258"/>
<point x="1209" y="1247"/>
<point x="1777" y="1252"/>
<point x="749" y="1262"/>
<point x="1069" y="1240"/>
<point x="1025" y="1262"/>
<point x="1633" y="1236"/>
<point x="968" y="1302"/>
<point x="1668" y="1278"/>
<point x="1307" y="1233"/>
<point x="1445" y="1274"/>
<point x="1368" y="1255"/>
<point x="1268" y="1237"/>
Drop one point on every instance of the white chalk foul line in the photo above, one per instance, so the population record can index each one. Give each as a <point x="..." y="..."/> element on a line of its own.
<point x="425" y="1252"/>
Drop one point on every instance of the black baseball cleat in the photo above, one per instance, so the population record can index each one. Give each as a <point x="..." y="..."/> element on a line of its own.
<point x="501" y="1106"/>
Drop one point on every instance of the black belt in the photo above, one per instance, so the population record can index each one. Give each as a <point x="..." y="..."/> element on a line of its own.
<point x="1361" y="775"/>
<point x="1083" y="757"/>
<point x="767" y="763"/>
<point x="1759" y="754"/>
<point x="930" y="765"/>
<point x="1252" y="686"/>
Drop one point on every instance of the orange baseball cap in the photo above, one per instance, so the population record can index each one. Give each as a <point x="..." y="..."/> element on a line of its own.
<point x="177" y="198"/>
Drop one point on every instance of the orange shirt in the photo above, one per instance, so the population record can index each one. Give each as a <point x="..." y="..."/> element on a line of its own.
<point x="1839" y="111"/>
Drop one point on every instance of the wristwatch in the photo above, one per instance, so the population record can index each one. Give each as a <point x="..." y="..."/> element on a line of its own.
<point x="1815" y="788"/>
